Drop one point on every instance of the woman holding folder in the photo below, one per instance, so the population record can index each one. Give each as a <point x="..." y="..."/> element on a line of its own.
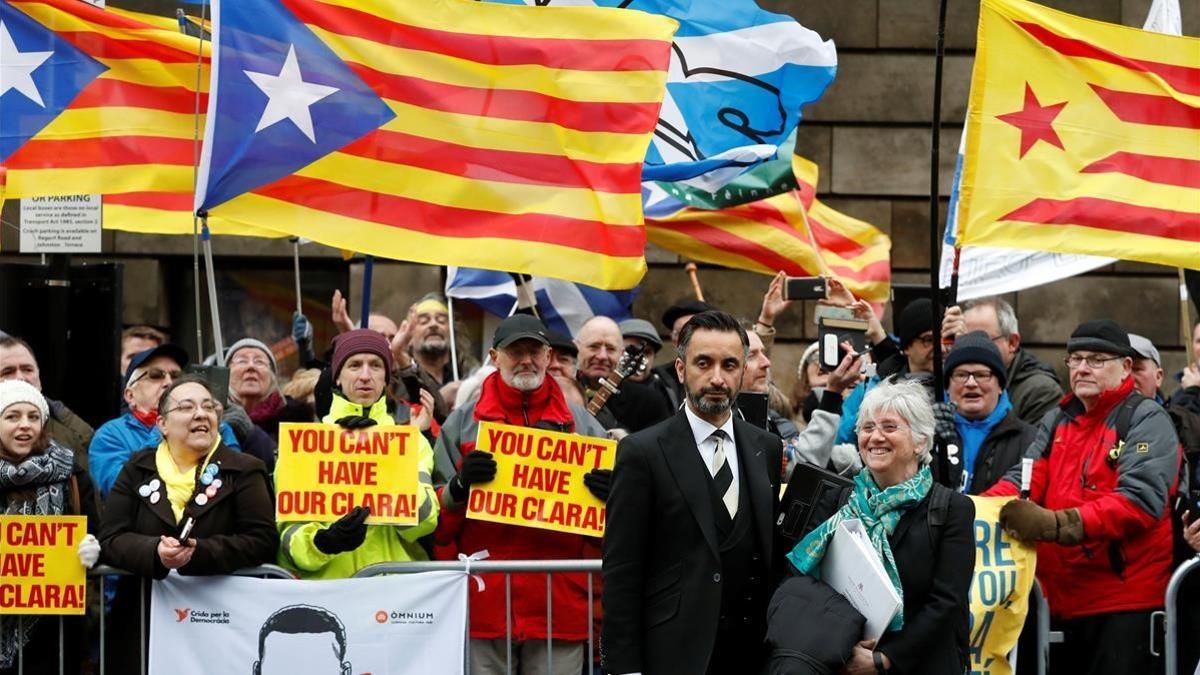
<point x="921" y="532"/>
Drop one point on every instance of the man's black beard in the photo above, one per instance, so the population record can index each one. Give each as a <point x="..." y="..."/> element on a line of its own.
<point x="703" y="405"/>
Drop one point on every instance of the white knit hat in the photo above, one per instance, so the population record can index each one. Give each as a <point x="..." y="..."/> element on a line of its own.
<point x="19" y="391"/>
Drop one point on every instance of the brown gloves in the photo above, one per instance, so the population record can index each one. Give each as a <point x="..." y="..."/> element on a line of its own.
<point x="1029" y="522"/>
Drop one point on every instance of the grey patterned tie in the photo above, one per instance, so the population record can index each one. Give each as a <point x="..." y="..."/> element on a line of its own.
<point x="723" y="475"/>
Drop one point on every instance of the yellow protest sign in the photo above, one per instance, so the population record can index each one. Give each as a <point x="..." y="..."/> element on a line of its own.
<point x="1000" y="589"/>
<point x="539" y="479"/>
<point x="40" y="572"/>
<point x="324" y="471"/>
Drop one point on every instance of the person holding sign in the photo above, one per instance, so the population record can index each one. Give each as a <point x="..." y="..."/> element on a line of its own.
<point x="921" y="531"/>
<point x="362" y="361"/>
<point x="687" y="551"/>
<point x="38" y="477"/>
<point x="518" y="394"/>
<point x="190" y="505"/>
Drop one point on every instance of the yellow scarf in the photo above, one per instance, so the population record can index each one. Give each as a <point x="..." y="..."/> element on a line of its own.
<point x="180" y="484"/>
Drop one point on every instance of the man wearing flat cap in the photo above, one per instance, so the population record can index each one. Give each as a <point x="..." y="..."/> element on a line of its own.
<point x="1105" y="471"/>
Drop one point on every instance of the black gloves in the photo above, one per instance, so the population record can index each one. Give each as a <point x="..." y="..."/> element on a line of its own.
<point x="599" y="481"/>
<point x="478" y="466"/>
<point x="355" y="422"/>
<point x="345" y="534"/>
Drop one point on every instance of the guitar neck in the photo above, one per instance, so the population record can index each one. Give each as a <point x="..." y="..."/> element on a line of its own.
<point x="607" y="388"/>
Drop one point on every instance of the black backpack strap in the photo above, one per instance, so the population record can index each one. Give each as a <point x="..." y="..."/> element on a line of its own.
<point x="1124" y="418"/>
<point x="939" y="508"/>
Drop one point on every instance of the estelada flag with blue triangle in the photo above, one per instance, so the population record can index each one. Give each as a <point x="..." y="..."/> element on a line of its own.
<point x="446" y="132"/>
<point x="1082" y="137"/>
<point x="95" y="101"/>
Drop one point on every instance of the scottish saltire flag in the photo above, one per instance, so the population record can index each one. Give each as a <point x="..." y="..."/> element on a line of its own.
<point x="739" y="78"/>
<point x="986" y="270"/>
<point x="446" y="132"/>
<point x="564" y="306"/>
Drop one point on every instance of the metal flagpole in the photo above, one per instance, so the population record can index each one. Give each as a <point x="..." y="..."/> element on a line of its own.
<point x="181" y="17"/>
<point x="368" y="272"/>
<point x="934" y="238"/>
<point x="218" y="341"/>
<point x="453" y="347"/>
<point x="296" y="265"/>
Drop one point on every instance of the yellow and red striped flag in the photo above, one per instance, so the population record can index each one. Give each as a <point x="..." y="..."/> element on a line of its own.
<point x="97" y="101"/>
<point x="447" y="132"/>
<point x="770" y="235"/>
<point x="1082" y="137"/>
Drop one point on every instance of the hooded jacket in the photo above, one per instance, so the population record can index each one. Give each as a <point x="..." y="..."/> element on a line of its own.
<point x="383" y="543"/>
<point x="1033" y="387"/>
<point x="1123" y="493"/>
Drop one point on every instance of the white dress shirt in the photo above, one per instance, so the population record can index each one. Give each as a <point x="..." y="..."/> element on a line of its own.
<point x="707" y="445"/>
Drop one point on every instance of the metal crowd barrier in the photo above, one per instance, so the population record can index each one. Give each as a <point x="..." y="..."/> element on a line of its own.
<point x="1170" y="615"/>
<point x="102" y="571"/>
<point x="507" y="568"/>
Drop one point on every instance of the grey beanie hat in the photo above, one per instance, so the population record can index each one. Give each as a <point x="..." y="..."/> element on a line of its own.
<point x="257" y="344"/>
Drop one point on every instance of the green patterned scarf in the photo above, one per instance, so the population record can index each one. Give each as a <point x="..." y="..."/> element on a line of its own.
<point x="879" y="510"/>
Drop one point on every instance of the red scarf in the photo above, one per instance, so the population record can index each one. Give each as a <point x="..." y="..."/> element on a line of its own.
<point x="268" y="408"/>
<point x="149" y="418"/>
<point x="499" y="402"/>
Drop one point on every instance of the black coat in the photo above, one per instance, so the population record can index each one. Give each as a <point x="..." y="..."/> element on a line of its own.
<point x="233" y="530"/>
<point x="662" y="567"/>
<point x="936" y="578"/>
<point x="1001" y="450"/>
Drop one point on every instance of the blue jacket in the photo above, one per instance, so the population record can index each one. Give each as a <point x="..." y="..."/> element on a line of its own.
<point x="117" y="439"/>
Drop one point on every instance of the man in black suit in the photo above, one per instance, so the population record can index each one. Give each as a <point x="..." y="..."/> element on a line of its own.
<point x="687" y="547"/>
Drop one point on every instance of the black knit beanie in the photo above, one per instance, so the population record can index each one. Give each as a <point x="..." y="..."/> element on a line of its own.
<point x="916" y="318"/>
<point x="976" y="347"/>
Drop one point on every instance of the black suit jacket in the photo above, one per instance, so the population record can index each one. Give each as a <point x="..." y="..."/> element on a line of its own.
<point x="936" y="579"/>
<point x="662" y="565"/>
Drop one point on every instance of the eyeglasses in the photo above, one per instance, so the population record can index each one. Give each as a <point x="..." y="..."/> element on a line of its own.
<point x="1093" y="360"/>
<point x="189" y="407"/>
<point x="242" y="361"/>
<point x="887" y="428"/>
<point x="981" y="376"/>
<point x="156" y="375"/>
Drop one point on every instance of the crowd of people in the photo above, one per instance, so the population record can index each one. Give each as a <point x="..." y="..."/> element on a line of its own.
<point x="690" y="556"/>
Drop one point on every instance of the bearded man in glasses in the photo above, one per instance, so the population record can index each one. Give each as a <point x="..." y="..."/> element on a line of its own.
<point x="991" y="438"/>
<point x="1105" y="473"/>
<point x="149" y="374"/>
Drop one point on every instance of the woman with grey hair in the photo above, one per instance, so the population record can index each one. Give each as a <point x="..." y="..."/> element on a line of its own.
<point x="921" y="531"/>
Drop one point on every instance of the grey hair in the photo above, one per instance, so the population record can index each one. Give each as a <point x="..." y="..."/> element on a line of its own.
<point x="908" y="399"/>
<point x="1005" y="316"/>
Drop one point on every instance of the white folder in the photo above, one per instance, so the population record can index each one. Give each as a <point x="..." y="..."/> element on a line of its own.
<point x="852" y="568"/>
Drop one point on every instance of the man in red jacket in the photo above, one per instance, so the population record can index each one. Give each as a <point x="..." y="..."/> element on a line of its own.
<point x="1099" y="507"/>
<point x="519" y="393"/>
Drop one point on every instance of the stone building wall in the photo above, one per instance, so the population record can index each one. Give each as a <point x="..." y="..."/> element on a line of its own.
<point x="870" y="137"/>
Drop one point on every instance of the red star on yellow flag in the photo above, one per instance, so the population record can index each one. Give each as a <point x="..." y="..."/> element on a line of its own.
<point x="1035" y="121"/>
<point x="1119" y="111"/>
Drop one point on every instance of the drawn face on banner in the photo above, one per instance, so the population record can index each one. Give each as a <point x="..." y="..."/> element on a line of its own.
<point x="302" y="639"/>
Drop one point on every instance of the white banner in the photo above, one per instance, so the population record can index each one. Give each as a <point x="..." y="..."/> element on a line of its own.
<point x="402" y="624"/>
